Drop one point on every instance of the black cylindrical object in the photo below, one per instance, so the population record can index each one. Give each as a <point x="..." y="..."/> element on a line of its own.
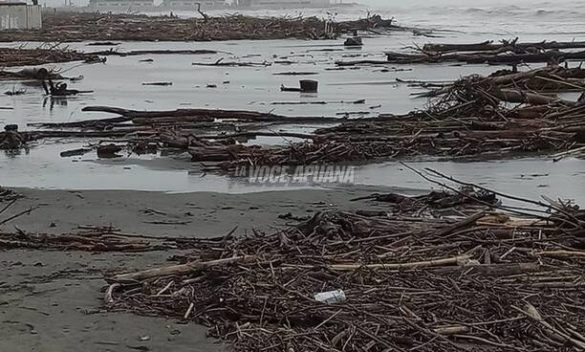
<point x="309" y="86"/>
<point x="12" y="127"/>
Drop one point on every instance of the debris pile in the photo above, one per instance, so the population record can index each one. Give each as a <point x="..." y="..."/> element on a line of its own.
<point x="31" y="57"/>
<point x="505" y="114"/>
<point x="95" y="239"/>
<point x="348" y="282"/>
<point x="508" y="52"/>
<point x="30" y="74"/>
<point x="67" y="27"/>
<point x="436" y="204"/>
<point x="8" y="195"/>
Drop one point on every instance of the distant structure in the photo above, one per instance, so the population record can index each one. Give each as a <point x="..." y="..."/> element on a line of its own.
<point x="264" y="4"/>
<point x="193" y="4"/>
<point x="121" y="5"/>
<point x="19" y="15"/>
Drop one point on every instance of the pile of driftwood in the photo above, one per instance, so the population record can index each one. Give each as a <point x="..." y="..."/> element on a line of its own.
<point x="66" y="27"/>
<point x="95" y="239"/>
<point x="350" y="282"/>
<point x="30" y="57"/>
<point x="8" y="195"/>
<point x="507" y="52"/>
<point x="436" y="204"/>
<point x="505" y="113"/>
<point x="472" y="117"/>
<point x="508" y="113"/>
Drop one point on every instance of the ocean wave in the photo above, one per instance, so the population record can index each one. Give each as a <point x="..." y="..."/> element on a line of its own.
<point x="508" y="12"/>
<point x="494" y="10"/>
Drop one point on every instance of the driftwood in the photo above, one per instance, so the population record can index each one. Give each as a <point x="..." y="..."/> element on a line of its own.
<point x="467" y="118"/>
<point x="507" y="52"/>
<point x="30" y="74"/>
<point x="182" y="269"/>
<point x="220" y="63"/>
<point x="487" y="281"/>
<point x="180" y="115"/>
<point x="361" y="62"/>
<point x="153" y="52"/>
<point x="93" y="239"/>
<point x="71" y="26"/>
<point x="472" y="117"/>
<point x="30" y="57"/>
<point x="483" y="58"/>
<point x="504" y="45"/>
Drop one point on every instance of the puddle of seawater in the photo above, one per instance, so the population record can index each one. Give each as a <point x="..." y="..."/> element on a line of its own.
<point x="41" y="167"/>
<point x="530" y="178"/>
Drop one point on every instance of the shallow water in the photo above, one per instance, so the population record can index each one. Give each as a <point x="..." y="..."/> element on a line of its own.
<point x="42" y="168"/>
<point x="119" y="83"/>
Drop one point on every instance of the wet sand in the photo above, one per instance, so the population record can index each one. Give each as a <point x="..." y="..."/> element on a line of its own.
<point x="52" y="300"/>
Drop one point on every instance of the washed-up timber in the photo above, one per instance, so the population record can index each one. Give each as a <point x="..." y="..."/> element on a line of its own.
<point x="489" y="281"/>
<point x="507" y="52"/>
<point x="30" y="57"/>
<point x="93" y="240"/>
<point x="68" y="27"/>
<point x="506" y="114"/>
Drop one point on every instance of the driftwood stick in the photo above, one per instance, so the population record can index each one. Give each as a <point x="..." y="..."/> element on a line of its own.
<point x="461" y="259"/>
<point x="181" y="269"/>
<point x="561" y="254"/>
<point x="24" y="212"/>
<point x="463" y="223"/>
<point x="109" y="295"/>
<point x="531" y="312"/>
<point x="8" y="206"/>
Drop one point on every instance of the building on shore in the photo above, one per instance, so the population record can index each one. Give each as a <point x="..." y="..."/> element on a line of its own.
<point x="19" y="15"/>
<point x="267" y="4"/>
<point x="193" y="4"/>
<point x="121" y="5"/>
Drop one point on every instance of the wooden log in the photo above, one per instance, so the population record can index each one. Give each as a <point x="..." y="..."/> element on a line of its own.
<point x="490" y="46"/>
<point x="484" y="58"/>
<point x="154" y="52"/>
<point x="171" y="120"/>
<point x="493" y="270"/>
<point x="524" y="97"/>
<point x="361" y="62"/>
<point x="512" y="77"/>
<point x="562" y="254"/>
<point x="177" y="270"/>
<point x="461" y="224"/>
<point x="458" y="260"/>
<point x="451" y="330"/>
<point x="207" y="113"/>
